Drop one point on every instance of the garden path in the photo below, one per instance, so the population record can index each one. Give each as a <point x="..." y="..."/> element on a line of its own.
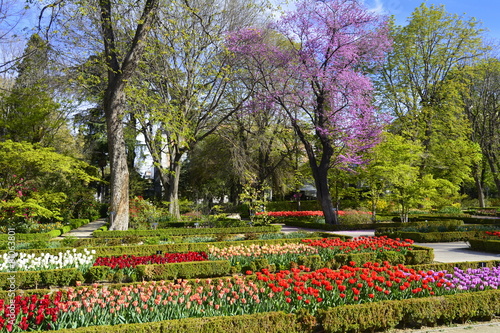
<point x="85" y="231"/>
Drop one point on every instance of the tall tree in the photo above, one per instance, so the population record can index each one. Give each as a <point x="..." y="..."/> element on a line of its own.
<point x="416" y="84"/>
<point x="316" y="73"/>
<point x="121" y="68"/>
<point x="184" y="93"/>
<point x="482" y="107"/>
<point x="29" y="110"/>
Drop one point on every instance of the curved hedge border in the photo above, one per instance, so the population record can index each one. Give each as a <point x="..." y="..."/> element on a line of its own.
<point x="375" y="316"/>
<point x="381" y="225"/>
<point x="486" y="245"/>
<point x="431" y="237"/>
<point x="33" y="279"/>
<point x="185" y="231"/>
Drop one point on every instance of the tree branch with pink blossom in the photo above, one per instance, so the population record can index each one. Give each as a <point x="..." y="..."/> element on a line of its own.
<point x="314" y="63"/>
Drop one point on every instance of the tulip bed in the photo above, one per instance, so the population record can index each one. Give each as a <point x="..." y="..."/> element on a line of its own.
<point x="128" y="262"/>
<point x="493" y="233"/>
<point x="287" y="291"/>
<point x="45" y="261"/>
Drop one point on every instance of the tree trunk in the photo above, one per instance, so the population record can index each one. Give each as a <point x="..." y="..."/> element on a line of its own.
<point x="173" y="188"/>
<point x="119" y="204"/>
<point x="114" y="104"/>
<point x="320" y="175"/>
<point x="479" y="181"/>
<point x="493" y="162"/>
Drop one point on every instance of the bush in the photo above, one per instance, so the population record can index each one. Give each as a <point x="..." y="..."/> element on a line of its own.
<point x="179" y="231"/>
<point x="351" y="216"/>
<point x="34" y="279"/>
<point x="185" y="270"/>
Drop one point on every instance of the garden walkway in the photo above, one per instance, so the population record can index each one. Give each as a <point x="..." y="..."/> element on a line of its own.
<point x="85" y="231"/>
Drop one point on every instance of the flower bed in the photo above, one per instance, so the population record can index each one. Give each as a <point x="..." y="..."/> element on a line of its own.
<point x="128" y="262"/>
<point x="363" y="244"/>
<point x="286" y="291"/>
<point x="44" y="261"/>
<point x="493" y="233"/>
<point x="282" y="255"/>
<point x="294" y="213"/>
<point x="278" y="254"/>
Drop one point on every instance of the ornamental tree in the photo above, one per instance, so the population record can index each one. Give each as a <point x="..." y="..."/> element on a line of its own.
<point x="313" y="63"/>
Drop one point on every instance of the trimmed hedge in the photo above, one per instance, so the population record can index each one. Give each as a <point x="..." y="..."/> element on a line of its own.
<point x="276" y="322"/>
<point x="432" y="237"/>
<point x="419" y="255"/>
<point x="330" y="227"/>
<point x="141" y="250"/>
<point x="34" y="279"/>
<point x="32" y="237"/>
<point x="45" y="236"/>
<point x="137" y="250"/>
<point x="376" y="316"/>
<point x="486" y="245"/>
<point x="182" y="231"/>
<point x="77" y="223"/>
<point x="184" y="270"/>
<point x="415" y="312"/>
<point x="467" y="219"/>
<point x="381" y="225"/>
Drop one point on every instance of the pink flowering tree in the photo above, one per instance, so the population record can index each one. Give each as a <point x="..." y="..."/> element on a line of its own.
<point x="314" y="64"/>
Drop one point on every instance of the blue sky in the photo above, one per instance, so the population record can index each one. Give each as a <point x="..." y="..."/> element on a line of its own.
<point x="485" y="11"/>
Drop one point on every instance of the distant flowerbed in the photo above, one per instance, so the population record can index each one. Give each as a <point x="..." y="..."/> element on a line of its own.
<point x="287" y="290"/>
<point x="295" y="214"/>
<point x="493" y="233"/>
<point x="305" y="213"/>
<point x="129" y="261"/>
<point x="363" y="244"/>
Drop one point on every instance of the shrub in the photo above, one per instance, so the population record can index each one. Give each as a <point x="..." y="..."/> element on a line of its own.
<point x="351" y="217"/>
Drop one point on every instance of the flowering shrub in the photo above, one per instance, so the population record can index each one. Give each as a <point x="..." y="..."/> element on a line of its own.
<point x="351" y="216"/>
<point x="44" y="261"/>
<point x="287" y="291"/>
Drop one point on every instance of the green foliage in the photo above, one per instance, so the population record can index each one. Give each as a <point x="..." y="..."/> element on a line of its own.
<point x="185" y="270"/>
<point x="420" y="86"/>
<point x="186" y="231"/>
<point x="38" y="184"/>
<point x="143" y="213"/>
<point x="255" y="196"/>
<point x="34" y="279"/>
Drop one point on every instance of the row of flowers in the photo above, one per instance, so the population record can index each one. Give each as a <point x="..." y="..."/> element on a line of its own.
<point x="287" y="290"/>
<point x="20" y="261"/>
<point x="305" y="213"/>
<point x="85" y="260"/>
<point x="493" y="233"/>
<point x="280" y="255"/>
<point x="362" y="244"/>
<point x="130" y="261"/>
